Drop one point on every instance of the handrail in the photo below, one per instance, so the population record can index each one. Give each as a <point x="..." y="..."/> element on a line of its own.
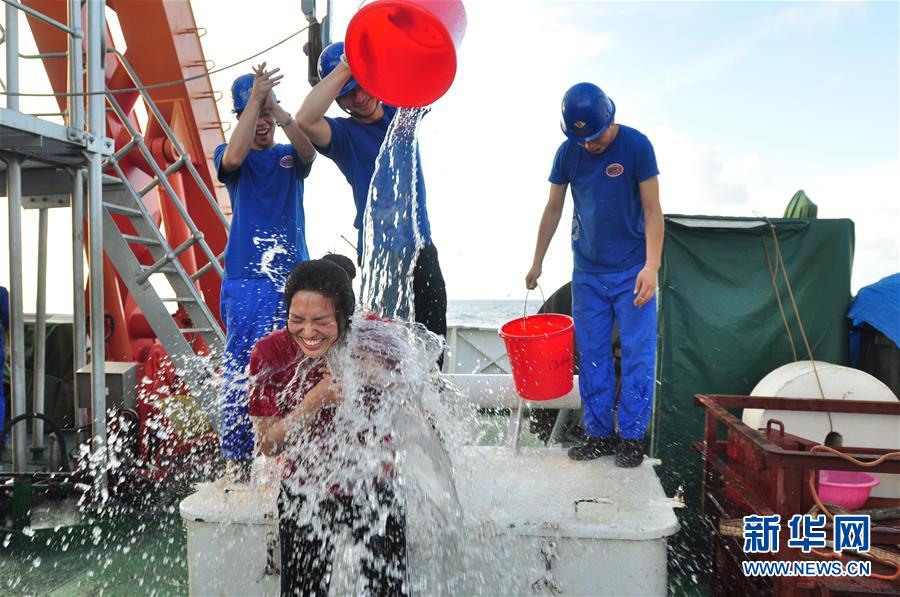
<point x="161" y="175"/>
<point x="42" y="17"/>
<point x="171" y="136"/>
<point x="42" y="56"/>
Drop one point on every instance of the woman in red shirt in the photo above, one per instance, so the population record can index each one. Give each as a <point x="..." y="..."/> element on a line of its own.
<point x="293" y="400"/>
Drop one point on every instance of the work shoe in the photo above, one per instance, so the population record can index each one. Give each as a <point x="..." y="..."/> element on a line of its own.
<point x="594" y="447"/>
<point x="630" y="454"/>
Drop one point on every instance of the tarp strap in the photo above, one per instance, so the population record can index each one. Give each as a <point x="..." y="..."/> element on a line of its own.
<point x="787" y="283"/>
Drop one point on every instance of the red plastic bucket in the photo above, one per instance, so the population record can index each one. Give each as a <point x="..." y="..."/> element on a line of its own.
<point x="403" y="52"/>
<point x="540" y="349"/>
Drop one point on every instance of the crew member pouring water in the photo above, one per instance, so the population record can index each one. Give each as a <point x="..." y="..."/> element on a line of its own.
<point x="617" y="238"/>
<point x="353" y="143"/>
<point x="267" y="236"/>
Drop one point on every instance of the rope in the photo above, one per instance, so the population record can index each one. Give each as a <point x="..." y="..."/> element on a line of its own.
<point x="774" y="277"/>
<point x="780" y="262"/>
<point x="734" y="527"/>
<point x="159" y="85"/>
<point x="875" y="554"/>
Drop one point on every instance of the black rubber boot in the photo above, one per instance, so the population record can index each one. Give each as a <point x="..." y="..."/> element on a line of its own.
<point x="630" y="454"/>
<point x="594" y="447"/>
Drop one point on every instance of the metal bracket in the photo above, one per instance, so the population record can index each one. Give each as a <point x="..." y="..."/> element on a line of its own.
<point x="45" y="201"/>
<point x="102" y="145"/>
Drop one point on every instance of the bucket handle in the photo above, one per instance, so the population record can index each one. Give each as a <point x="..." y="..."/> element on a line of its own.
<point x="525" y="306"/>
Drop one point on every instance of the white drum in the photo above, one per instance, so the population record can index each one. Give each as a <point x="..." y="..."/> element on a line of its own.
<point x="798" y="380"/>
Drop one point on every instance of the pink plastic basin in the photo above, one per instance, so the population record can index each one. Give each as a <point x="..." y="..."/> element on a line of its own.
<point x="847" y="489"/>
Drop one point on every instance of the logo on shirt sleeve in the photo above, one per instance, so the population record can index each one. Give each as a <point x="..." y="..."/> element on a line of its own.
<point x="286" y="161"/>
<point x="614" y="170"/>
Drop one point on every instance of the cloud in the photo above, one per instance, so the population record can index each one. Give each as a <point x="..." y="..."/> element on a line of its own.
<point x="699" y="179"/>
<point x="808" y="16"/>
<point x="713" y="62"/>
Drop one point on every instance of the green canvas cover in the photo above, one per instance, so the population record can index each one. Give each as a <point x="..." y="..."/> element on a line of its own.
<point x="720" y="327"/>
<point x="801" y="206"/>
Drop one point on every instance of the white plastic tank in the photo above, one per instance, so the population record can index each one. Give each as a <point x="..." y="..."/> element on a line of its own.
<point x="577" y="528"/>
<point x="798" y="380"/>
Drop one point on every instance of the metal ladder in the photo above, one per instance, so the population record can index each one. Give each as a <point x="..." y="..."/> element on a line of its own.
<point x="196" y="371"/>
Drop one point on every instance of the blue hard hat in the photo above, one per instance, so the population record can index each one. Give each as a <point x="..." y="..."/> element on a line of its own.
<point x="586" y="112"/>
<point x="240" y="93"/>
<point x="329" y="59"/>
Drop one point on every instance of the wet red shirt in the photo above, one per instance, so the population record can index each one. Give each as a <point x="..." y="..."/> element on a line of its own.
<point x="280" y="376"/>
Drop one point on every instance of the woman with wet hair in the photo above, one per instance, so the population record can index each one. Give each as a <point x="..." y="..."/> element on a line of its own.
<point x="293" y="400"/>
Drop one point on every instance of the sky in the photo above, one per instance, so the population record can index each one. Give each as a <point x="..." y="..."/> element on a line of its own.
<point x="745" y="103"/>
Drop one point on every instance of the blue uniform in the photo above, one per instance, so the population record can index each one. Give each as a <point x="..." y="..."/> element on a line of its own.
<point x="4" y="326"/>
<point x="354" y="148"/>
<point x="267" y="238"/>
<point x="609" y="246"/>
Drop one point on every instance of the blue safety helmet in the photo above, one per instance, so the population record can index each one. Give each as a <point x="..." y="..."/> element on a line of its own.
<point x="329" y="59"/>
<point x="586" y="112"/>
<point x="240" y="93"/>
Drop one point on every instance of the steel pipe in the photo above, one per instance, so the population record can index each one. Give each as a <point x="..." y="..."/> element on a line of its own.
<point x="40" y="334"/>
<point x="96" y="86"/>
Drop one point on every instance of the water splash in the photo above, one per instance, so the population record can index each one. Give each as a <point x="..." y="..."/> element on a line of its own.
<point x="391" y="239"/>
<point x="392" y="437"/>
<point x="273" y="246"/>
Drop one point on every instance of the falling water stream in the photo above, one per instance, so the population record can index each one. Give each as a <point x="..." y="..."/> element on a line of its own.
<point x="391" y="238"/>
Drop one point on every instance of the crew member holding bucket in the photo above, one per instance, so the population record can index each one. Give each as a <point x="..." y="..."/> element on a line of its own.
<point x="353" y="144"/>
<point x="267" y="237"/>
<point x="617" y="238"/>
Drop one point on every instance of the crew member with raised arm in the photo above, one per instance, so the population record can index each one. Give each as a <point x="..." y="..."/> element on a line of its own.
<point x="267" y="237"/>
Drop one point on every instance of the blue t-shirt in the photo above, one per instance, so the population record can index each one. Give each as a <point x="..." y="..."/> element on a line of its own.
<point x="4" y="320"/>
<point x="354" y="148"/>
<point x="608" y="223"/>
<point x="268" y="226"/>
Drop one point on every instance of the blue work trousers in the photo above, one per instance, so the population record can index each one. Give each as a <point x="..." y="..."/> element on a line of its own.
<point x="251" y="308"/>
<point x="2" y="393"/>
<point x="597" y="300"/>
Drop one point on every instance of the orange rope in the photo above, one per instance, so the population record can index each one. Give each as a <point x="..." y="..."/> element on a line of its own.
<point x="815" y="495"/>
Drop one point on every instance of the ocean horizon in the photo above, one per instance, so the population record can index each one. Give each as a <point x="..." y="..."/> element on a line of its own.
<point x="491" y="313"/>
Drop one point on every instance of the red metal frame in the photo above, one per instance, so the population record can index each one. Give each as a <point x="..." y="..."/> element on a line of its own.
<point x="767" y="472"/>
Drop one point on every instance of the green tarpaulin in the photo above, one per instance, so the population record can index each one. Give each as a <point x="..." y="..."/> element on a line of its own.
<point x="801" y="206"/>
<point x="720" y="326"/>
